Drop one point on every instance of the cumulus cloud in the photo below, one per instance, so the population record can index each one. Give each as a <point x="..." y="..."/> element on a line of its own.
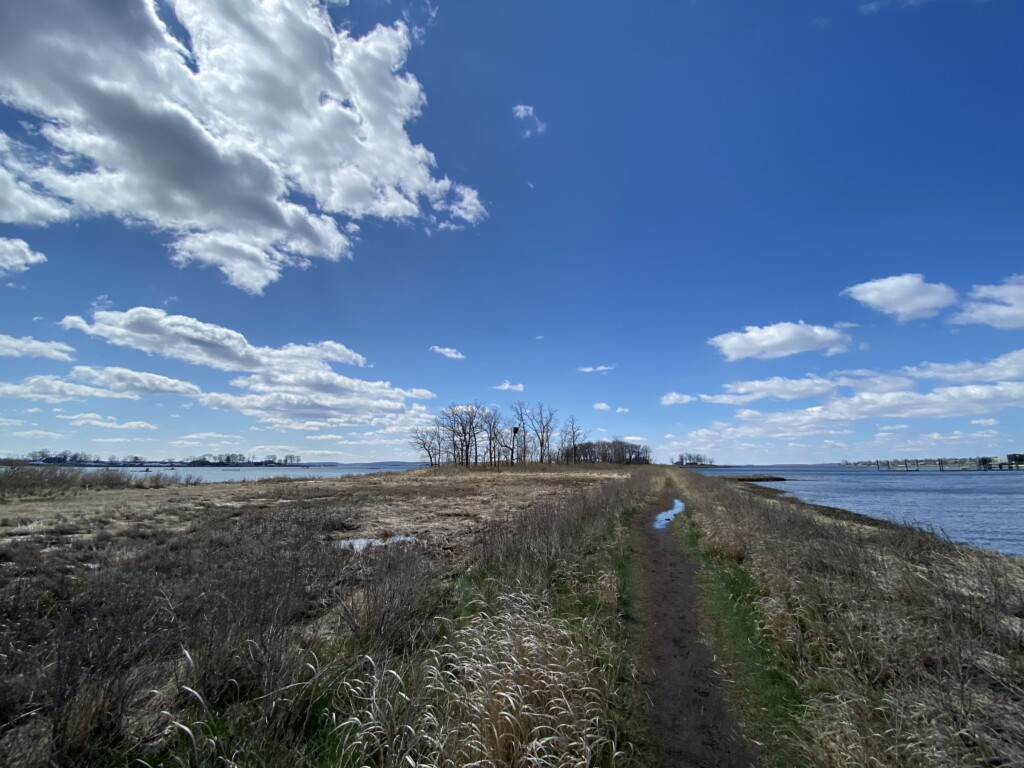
<point x="779" y="340"/>
<point x="15" y="255"/>
<point x="596" y="368"/>
<point x="244" y="138"/>
<point x="602" y="407"/>
<point x="1001" y="306"/>
<point x="531" y="123"/>
<point x="905" y="297"/>
<point x="449" y="352"/>
<point x="26" y="346"/>
<point x="620" y="409"/>
<point x="292" y="387"/>
<point x="106" y="422"/>
<point x="508" y="386"/>
<point x="675" y="398"/>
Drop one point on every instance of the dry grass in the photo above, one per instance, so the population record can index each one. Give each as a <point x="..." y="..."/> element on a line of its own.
<point x="199" y="626"/>
<point x="907" y="648"/>
<point x="20" y="481"/>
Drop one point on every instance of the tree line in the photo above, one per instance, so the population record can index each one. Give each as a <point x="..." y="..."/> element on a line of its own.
<point x="473" y="434"/>
<point x="694" y="460"/>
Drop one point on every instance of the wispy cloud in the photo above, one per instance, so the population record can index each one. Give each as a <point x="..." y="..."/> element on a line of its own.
<point x="449" y="352"/>
<point x="596" y="368"/>
<point x="27" y="346"/>
<point x="533" y="124"/>
<point x="1000" y="306"/>
<point x="620" y="409"/>
<point x="508" y="386"/>
<point x="602" y="407"/>
<point x="106" y="422"/>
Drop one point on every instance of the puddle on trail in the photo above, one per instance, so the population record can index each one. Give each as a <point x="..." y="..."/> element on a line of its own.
<point x="662" y="520"/>
<point x="360" y="544"/>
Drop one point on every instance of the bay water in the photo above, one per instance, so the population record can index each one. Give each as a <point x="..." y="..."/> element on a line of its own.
<point x="981" y="508"/>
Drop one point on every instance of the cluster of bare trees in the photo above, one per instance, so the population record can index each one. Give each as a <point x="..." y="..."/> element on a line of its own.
<point x="695" y="460"/>
<point x="473" y="434"/>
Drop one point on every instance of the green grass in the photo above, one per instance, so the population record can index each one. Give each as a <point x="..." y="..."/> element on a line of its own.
<point x="766" y="697"/>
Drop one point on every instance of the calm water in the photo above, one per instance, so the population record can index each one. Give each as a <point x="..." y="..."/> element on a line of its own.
<point x="983" y="508"/>
<point x="229" y="475"/>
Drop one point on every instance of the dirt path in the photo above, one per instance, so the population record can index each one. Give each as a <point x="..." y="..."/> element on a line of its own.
<point x="690" y="723"/>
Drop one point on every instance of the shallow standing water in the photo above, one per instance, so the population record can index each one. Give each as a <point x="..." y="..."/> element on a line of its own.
<point x="666" y="517"/>
<point x="981" y="508"/>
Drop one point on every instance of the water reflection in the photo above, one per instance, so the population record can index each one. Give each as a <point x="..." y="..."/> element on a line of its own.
<point x="662" y="520"/>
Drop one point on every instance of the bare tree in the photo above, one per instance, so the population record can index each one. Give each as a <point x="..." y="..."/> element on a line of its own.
<point x="541" y="421"/>
<point x="428" y="441"/>
<point x="571" y="437"/>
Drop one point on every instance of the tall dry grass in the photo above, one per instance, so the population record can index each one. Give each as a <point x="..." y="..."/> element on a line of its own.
<point x="249" y="639"/>
<point x="19" y="481"/>
<point x="907" y="648"/>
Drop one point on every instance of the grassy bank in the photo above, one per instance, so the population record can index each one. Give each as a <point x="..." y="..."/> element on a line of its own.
<point x="239" y="634"/>
<point x="854" y="642"/>
<point x="25" y="481"/>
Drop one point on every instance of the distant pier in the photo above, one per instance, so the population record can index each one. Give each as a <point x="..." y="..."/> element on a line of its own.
<point x="1011" y="462"/>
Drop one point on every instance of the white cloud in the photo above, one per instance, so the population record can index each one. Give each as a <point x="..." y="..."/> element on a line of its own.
<point x="941" y="402"/>
<point x="602" y="407"/>
<point x="779" y="340"/>
<point x="742" y="392"/>
<point x="186" y="338"/>
<point x="508" y="386"/>
<point x="41" y="434"/>
<point x="106" y="422"/>
<point x="675" y="398"/>
<point x="596" y="368"/>
<point x="635" y="439"/>
<point x="525" y="113"/>
<point x="1001" y="306"/>
<point x="133" y="383"/>
<point x="449" y="352"/>
<point x="905" y="297"/>
<point x="1007" y="366"/>
<point x="290" y="387"/>
<point x="15" y="255"/>
<point x="985" y="422"/>
<point x="215" y="138"/>
<point x="10" y="422"/>
<point x="620" y="409"/>
<point x="29" y="347"/>
<point x="53" y="389"/>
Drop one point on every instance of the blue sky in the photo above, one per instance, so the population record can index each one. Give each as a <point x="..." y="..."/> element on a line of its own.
<point x="768" y="232"/>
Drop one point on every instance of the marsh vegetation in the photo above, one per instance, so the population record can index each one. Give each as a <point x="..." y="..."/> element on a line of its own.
<point x="858" y="642"/>
<point x="223" y="626"/>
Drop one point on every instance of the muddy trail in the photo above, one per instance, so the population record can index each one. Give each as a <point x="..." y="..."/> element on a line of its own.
<point x="690" y="721"/>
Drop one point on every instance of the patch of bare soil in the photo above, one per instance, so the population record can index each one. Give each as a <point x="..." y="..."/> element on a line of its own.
<point x="690" y="722"/>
